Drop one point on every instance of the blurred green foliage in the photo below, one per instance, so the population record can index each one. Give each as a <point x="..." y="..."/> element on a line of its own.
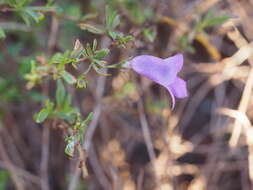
<point x="201" y="24"/>
<point x="137" y="11"/>
<point x="210" y="20"/>
<point x="25" y="61"/>
<point x="63" y="67"/>
<point x="38" y="68"/>
<point x="4" y="177"/>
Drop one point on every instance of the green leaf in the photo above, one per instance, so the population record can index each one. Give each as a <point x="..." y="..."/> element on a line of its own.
<point x="22" y="3"/>
<point x="12" y="3"/>
<point x="60" y="93"/>
<point x="76" y="53"/>
<point x="68" y="114"/>
<point x="73" y="9"/>
<point x="108" y="17"/>
<point x="42" y="115"/>
<point x="149" y="35"/>
<point x="25" y="17"/>
<point x="56" y="58"/>
<point x="116" y="21"/>
<point x="209" y="14"/>
<point x="64" y="59"/>
<point x="49" y="105"/>
<point x="50" y="2"/>
<point x="81" y="82"/>
<point x="138" y="15"/>
<point x="67" y="101"/>
<point x="70" y="79"/>
<point x="100" y="54"/>
<point x="2" y="33"/>
<point x="92" y="29"/>
<point x="4" y="178"/>
<point x="184" y="43"/>
<point x="216" y="21"/>
<point x="36" y="96"/>
<point x="94" y="46"/>
<point x="114" y="35"/>
<point x="112" y="18"/>
<point x="89" y="117"/>
<point x="70" y="147"/>
<point x="211" y="20"/>
<point x="28" y="13"/>
<point x="78" y="50"/>
<point x="88" y="50"/>
<point x="123" y="40"/>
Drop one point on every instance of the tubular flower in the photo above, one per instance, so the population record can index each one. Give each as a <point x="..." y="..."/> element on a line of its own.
<point x="163" y="72"/>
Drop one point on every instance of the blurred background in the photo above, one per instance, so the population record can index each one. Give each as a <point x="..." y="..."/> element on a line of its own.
<point x="135" y="140"/>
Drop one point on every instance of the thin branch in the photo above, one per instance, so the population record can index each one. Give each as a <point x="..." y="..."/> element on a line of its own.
<point x="19" y="171"/>
<point x="75" y="179"/>
<point x="53" y="35"/>
<point x="243" y="105"/>
<point x="45" y="158"/>
<point x="93" y="125"/>
<point x="97" y="169"/>
<point x="146" y="131"/>
<point x="96" y="113"/>
<point x="18" y="183"/>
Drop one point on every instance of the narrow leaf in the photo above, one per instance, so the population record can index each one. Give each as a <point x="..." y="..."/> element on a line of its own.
<point x="90" y="28"/>
<point x="94" y="46"/>
<point x="42" y="115"/>
<point x="37" y="16"/>
<point x="100" y="54"/>
<point x="116" y="21"/>
<point x="149" y="35"/>
<point x="81" y="83"/>
<point x="89" y="117"/>
<point x="2" y="33"/>
<point x="216" y="21"/>
<point x="70" y="147"/>
<point x="68" y="77"/>
<point x="60" y="93"/>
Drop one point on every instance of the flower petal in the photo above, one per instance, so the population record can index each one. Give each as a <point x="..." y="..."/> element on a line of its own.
<point x="178" y="88"/>
<point x="176" y="61"/>
<point x="172" y="97"/>
<point x="155" y="69"/>
<point x="163" y="72"/>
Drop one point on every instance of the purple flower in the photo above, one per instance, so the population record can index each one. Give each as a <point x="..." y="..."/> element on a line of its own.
<point x="163" y="72"/>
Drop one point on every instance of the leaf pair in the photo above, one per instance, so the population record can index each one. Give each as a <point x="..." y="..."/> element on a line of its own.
<point x="77" y="135"/>
<point x="211" y="20"/>
<point x="45" y="112"/>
